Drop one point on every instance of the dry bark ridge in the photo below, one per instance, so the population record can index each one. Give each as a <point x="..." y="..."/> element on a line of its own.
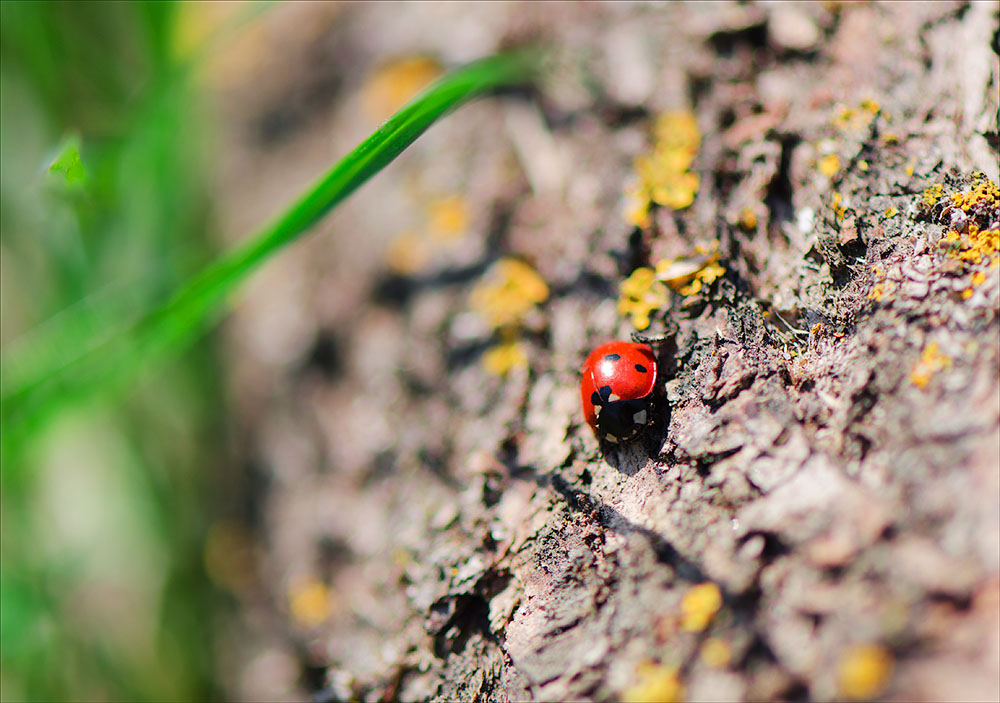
<point x="837" y="483"/>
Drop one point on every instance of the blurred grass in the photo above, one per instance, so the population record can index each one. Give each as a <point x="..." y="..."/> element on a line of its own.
<point x="108" y="480"/>
<point x="102" y="589"/>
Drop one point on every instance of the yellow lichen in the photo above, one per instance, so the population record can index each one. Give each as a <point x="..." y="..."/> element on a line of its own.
<point x="932" y="195"/>
<point x="655" y="683"/>
<point x="408" y="253"/>
<point x="829" y="165"/>
<point x="974" y="247"/>
<point x="394" y="83"/>
<point x="863" y="671"/>
<point x="663" y="175"/>
<point x="509" y="291"/>
<point x="748" y="219"/>
<point x="931" y="362"/>
<point x="677" y="130"/>
<point x="845" y="117"/>
<point x="445" y="220"/>
<point x="877" y="292"/>
<point x="640" y="295"/>
<point x="982" y="191"/>
<point x="309" y="602"/>
<point x="891" y="212"/>
<point x="675" y="190"/>
<point x="503" y="358"/>
<point x="637" y="206"/>
<point x="890" y="138"/>
<point x="699" y="606"/>
<point x="716" y="652"/>
<point x="871" y="106"/>
<point x="838" y="206"/>
<point x="688" y="275"/>
<point x="859" y="118"/>
<point x="447" y="217"/>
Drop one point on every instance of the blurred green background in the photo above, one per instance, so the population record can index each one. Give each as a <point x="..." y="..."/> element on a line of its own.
<point x="106" y="500"/>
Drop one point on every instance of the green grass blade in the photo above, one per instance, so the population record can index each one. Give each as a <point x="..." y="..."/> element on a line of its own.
<point x="107" y="365"/>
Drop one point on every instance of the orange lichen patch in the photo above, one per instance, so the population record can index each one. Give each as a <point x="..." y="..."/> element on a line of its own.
<point x="982" y="191"/>
<point x="891" y="212"/>
<point x="309" y="601"/>
<point x="829" y="165"/>
<point x="675" y="190"/>
<point x="881" y="287"/>
<point x="838" y="206"/>
<point x="877" y="292"/>
<point x="974" y="237"/>
<point x="854" y="119"/>
<point x="845" y="117"/>
<point x="716" y="652"/>
<point x="677" y="130"/>
<point x="978" y="278"/>
<point x="688" y="275"/>
<point x="655" y="683"/>
<point x="748" y="219"/>
<point x="864" y="671"/>
<point x="974" y="247"/>
<point x="699" y="606"/>
<point x="501" y="359"/>
<point x="931" y="361"/>
<point x="664" y="176"/>
<point x="408" y="253"/>
<point x="509" y="291"/>
<point x="394" y="83"/>
<point x="447" y="217"/>
<point x="640" y="295"/>
<point x="932" y="195"/>
<point x="871" y="106"/>
<point x="637" y="206"/>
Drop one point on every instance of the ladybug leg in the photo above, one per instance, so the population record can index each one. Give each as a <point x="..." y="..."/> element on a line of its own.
<point x="653" y="340"/>
<point x="670" y="333"/>
<point x="643" y="339"/>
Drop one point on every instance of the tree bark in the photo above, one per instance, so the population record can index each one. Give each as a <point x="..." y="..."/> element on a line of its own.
<point x="827" y="449"/>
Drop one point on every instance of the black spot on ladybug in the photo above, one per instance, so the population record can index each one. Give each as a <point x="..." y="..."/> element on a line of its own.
<point x="595" y="399"/>
<point x="612" y="357"/>
<point x="640" y="368"/>
<point x="605" y="392"/>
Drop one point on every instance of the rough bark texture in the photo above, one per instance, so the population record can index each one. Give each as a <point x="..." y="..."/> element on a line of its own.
<point x="829" y="449"/>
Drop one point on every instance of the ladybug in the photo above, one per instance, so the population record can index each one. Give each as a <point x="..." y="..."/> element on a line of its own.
<point x="617" y="389"/>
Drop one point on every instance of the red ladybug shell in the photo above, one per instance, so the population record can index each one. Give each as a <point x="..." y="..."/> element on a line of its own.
<point x="614" y="372"/>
